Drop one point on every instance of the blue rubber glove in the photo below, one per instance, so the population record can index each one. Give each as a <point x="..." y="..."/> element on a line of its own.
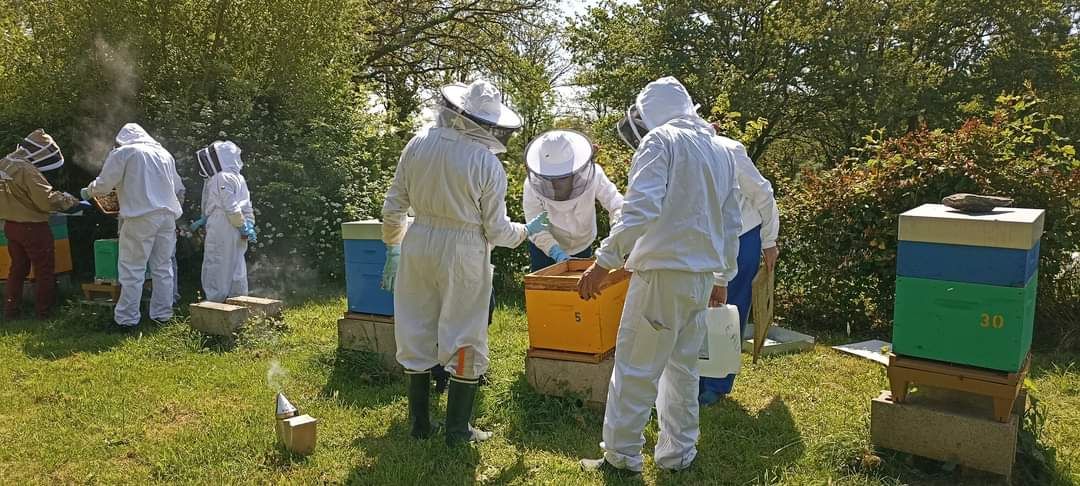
<point x="389" y="273"/>
<point x="248" y="231"/>
<point x="558" y="254"/>
<point x="539" y="224"/>
<point x="85" y="193"/>
<point x="198" y="223"/>
<point x="78" y="208"/>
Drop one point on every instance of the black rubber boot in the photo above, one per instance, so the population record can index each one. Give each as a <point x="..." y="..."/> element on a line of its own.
<point x="459" y="407"/>
<point x="420" y="404"/>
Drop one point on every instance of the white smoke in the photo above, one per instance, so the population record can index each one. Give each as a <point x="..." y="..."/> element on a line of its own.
<point x="280" y="277"/>
<point x="105" y="112"/>
<point x="276" y="375"/>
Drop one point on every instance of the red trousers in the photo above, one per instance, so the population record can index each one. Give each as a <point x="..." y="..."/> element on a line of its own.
<point x="30" y="244"/>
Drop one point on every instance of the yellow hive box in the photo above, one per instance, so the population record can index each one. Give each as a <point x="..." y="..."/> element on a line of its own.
<point x="559" y="320"/>
<point x="62" y="259"/>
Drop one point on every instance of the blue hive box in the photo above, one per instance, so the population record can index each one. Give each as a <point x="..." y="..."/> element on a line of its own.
<point x="365" y="256"/>
<point x="1004" y="267"/>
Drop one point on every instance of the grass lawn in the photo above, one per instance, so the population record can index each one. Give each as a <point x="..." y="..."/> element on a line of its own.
<point x="84" y="404"/>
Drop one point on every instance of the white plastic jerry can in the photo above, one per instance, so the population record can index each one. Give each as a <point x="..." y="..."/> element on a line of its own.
<point x="722" y="347"/>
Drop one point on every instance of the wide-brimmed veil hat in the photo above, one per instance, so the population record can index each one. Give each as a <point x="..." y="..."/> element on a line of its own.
<point x="482" y="102"/>
<point x="560" y="164"/>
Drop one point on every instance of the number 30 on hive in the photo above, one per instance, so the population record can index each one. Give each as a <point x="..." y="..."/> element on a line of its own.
<point x="997" y="321"/>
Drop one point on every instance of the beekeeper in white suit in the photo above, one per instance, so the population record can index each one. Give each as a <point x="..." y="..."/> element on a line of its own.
<point x="229" y="220"/>
<point x="564" y="181"/>
<point x="440" y="269"/>
<point x="144" y="176"/>
<point x="680" y="227"/>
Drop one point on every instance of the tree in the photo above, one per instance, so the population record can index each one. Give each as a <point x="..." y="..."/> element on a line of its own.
<point x="408" y="47"/>
<point x="821" y="73"/>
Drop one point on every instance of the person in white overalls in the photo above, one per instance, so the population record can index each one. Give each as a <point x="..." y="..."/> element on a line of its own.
<point x="564" y="181"/>
<point x="440" y="268"/>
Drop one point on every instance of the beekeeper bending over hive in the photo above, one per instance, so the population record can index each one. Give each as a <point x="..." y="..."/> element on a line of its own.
<point x="144" y="176"/>
<point x="229" y="220"/>
<point x="564" y="181"/>
<point x="440" y="270"/>
<point x="680" y="225"/>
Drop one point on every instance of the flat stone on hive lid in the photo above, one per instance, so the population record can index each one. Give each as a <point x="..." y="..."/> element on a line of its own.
<point x="976" y="203"/>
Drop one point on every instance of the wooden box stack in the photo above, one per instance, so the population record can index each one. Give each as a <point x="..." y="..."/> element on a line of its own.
<point x="965" y="306"/>
<point x="571" y="341"/>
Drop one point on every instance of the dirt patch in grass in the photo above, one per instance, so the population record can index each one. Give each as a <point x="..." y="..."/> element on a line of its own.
<point x="171" y="418"/>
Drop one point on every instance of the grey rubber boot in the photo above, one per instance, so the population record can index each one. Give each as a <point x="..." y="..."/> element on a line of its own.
<point x="420" y="404"/>
<point x="459" y="408"/>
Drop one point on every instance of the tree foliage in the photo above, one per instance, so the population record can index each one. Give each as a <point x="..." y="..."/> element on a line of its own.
<point x="840" y="226"/>
<point x="820" y="73"/>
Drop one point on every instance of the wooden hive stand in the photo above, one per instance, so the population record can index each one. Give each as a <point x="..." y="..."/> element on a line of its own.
<point x="592" y="358"/>
<point x="108" y="290"/>
<point x="1003" y="388"/>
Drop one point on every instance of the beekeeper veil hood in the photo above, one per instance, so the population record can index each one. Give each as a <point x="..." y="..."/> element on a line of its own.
<point x="664" y="100"/>
<point x="560" y="164"/>
<point x="132" y="134"/>
<point x="477" y="111"/>
<point x="219" y="157"/>
<point x="41" y="150"/>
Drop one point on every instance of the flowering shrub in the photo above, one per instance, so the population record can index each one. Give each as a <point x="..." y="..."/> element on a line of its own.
<point x="306" y="178"/>
<point x="840" y="226"/>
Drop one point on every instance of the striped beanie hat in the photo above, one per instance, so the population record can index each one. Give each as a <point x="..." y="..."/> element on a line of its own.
<point x="41" y="150"/>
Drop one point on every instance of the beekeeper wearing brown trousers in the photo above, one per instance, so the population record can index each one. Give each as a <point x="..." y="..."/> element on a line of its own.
<point x="26" y="199"/>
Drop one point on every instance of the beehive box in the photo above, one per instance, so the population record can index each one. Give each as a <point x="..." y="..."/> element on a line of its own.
<point x="62" y="258"/>
<point x="966" y="285"/>
<point x="106" y="259"/>
<point x="365" y="257"/>
<point x="560" y="320"/>
<point x="971" y="324"/>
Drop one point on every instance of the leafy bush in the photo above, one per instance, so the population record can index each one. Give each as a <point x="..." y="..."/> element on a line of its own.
<point x="840" y="226"/>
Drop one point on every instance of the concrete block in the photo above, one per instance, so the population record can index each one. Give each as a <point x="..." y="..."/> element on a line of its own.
<point x="362" y="333"/>
<point x="357" y="335"/>
<point x="587" y="381"/>
<point x="386" y="344"/>
<point x="945" y="431"/>
<point x="298" y="434"/>
<point x="218" y="319"/>
<point x="259" y="307"/>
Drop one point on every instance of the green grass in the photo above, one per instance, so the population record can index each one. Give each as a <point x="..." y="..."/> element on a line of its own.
<point x="82" y="404"/>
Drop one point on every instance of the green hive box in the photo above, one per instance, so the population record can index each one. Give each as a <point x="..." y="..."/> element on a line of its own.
<point x="977" y="325"/>
<point x="106" y="256"/>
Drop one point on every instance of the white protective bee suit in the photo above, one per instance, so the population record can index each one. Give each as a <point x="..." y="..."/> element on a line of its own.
<point x="680" y="226"/>
<point x="456" y="187"/>
<point x="226" y="205"/>
<point x="144" y="176"/>
<point x="757" y="202"/>
<point x="573" y="222"/>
